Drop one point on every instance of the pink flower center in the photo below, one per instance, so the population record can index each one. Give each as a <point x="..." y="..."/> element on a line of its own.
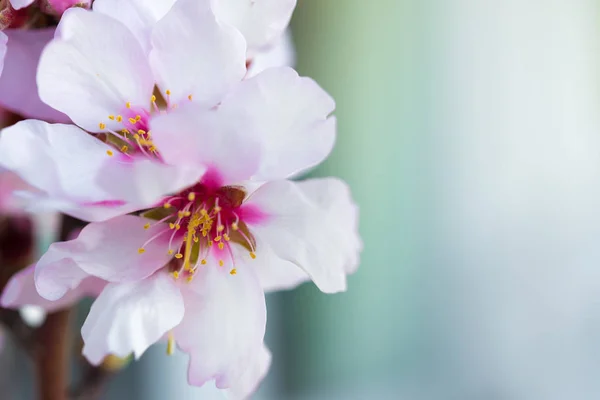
<point x="212" y="219"/>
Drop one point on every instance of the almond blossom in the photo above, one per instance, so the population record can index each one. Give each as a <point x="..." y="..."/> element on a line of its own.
<point x="205" y="155"/>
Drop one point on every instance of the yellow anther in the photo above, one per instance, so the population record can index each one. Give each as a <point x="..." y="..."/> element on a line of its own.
<point x="132" y="120"/>
<point x="153" y="98"/>
<point x="233" y="272"/>
<point x="141" y="131"/>
<point x="187" y="213"/>
<point x="171" y="343"/>
<point x="119" y="118"/>
<point x="136" y="136"/>
<point x="147" y="226"/>
<point x="128" y="104"/>
<point x="141" y="250"/>
<point x="171" y="225"/>
<point x="221" y="245"/>
<point x="220" y="228"/>
<point x="189" y="278"/>
<point x="196" y="239"/>
<point x="190" y="97"/>
<point x="176" y="274"/>
<point x="203" y="262"/>
<point x="221" y="263"/>
<point x="111" y="117"/>
<point x="125" y="131"/>
<point x="210" y="243"/>
<point x="170" y="252"/>
<point x="102" y="125"/>
<point x="226" y="237"/>
<point x="218" y="238"/>
<point x="180" y="214"/>
<point x="167" y="205"/>
<point x="152" y="149"/>
<point x="110" y="153"/>
<point x="138" y="117"/>
<point x="168" y="92"/>
<point x="177" y="227"/>
<point x="192" y="196"/>
<point x="217" y="209"/>
<point x="124" y="149"/>
<point x="252" y="255"/>
<point x="178" y="256"/>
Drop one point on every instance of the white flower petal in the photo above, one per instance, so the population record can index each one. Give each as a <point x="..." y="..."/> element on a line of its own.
<point x="281" y="54"/>
<point x="130" y="317"/>
<point x="18" y="87"/>
<point x="195" y="55"/>
<point x="196" y="137"/>
<point x="252" y="376"/>
<point x="18" y="4"/>
<point x="261" y="22"/>
<point x="291" y="115"/>
<point x="92" y="69"/>
<point x="138" y="15"/>
<point x="20" y="291"/>
<point x="107" y="250"/>
<point x="224" y="325"/>
<point x="63" y="162"/>
<point x="312" y="224"/>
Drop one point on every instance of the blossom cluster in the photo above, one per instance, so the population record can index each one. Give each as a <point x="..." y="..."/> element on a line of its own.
<point x="176" y="129"/>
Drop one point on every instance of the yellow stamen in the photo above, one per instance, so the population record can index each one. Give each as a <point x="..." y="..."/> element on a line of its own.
<point x="131" y="120"/>
<point x="190" y="97"/>
<point x="138" y="117"/>
<point x="252" y="255"/>
<point x="226" y="237"/>
<point x="221" y="263"/>
<point x="203" y="262"/>
<point x="233" y="272"/>
<point x="218" y="239"/>
<point x="191" y="196"/>
<point x="124" y="149"/>
<point x="102" y="125"/>
<point x="221" y="245"/>
<point x="171" y="225"/>
<point x="128" y="104"/>
<point x="141" y="132"/>
<point x="170" y="252"/>
<point x="110" y="153"/>
<point x="141" y="250"/>
<point x="167" y="205"/>
<point x="171" y="344"/>
<point x="176" y="274"/>
<point x="147" y="226"/>
<point x="188" y="250"/>
<point x="220" y="228"/>
<point x="111" y="117"/>
<point x="153" y="98"/>
<point x="168" y="92"/>
<point x="178" y="256"/>
<point x="119" y="118"/>
<point x="234" y="226"/>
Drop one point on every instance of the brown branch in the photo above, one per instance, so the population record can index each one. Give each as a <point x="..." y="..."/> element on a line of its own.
<point x="52" y="357"/>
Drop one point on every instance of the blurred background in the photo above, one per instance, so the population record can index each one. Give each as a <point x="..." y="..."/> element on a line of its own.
<point x="469" y="133"/>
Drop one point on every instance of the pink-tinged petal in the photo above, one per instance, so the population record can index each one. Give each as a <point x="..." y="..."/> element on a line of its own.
<point x="63" y="162"/>
<point x="261" y="22"/>
<point x="20" y="291"/>
<point x="92" y="68"/>
<point x="18" y="4"/>
<point x="291" y="115"/>
<point x="252" y="377"/>
<point x="312" y="224"/>
<point x="274" y="273"/>
<point x="224" y="325"/>
<point x="18" y="88"/>
<point x="3" y="40"/>
<point x="10" y="184"/>
<point x="139" y="16"/>
<point x="193" y="136"/>
<point x="194" y="55"/>
<point x="107" y="250"/>
<point x="144" y="181"/>
<point x="281" y="54"/>
<point x="130" y="317"/>
<point x="58" y="7"/>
